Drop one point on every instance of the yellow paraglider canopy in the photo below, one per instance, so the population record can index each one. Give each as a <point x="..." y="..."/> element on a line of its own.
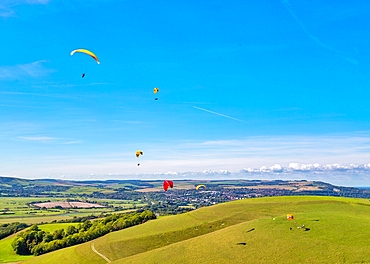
<point x="200" y="186"/>
<point x="155" y="90"/>
<point x="138" y="153"/>
<point x="88" y="53"/>
<point x="290" y="216"/>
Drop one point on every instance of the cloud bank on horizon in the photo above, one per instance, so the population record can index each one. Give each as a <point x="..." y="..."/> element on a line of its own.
<point x="331" y="158"/>
<point x="339" y="174"/>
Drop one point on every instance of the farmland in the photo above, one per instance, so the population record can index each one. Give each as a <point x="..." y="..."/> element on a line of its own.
<point x="65" y="205"/>
<point x="19" y="209"/>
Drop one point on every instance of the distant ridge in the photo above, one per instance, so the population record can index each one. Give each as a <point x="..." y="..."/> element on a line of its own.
<point x="10" y="186"/>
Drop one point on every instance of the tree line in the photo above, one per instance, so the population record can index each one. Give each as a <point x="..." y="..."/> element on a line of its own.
<point x="37" y="242"/>
<point x="8" y="229"/>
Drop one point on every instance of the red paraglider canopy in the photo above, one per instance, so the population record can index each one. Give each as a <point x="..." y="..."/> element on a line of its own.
<point x="167" y="184"/>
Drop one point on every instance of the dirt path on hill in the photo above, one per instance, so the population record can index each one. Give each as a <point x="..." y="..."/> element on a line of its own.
<point x="101" y="255"/>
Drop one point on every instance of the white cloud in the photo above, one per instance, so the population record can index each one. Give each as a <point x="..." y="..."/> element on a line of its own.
<point x="303" y="167"/>
<point x="29" y="70"/>
<point x="171" y="173"/>
<point x="249" y="170"/>
<point x="264" y="169"/>
<point x="294" y="167"/>
<point x="212" y="172"/>
<point x="276" y="168"/>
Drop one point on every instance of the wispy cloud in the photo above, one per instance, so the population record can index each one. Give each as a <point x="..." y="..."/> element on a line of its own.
<point x="42" y="139"/>
<point x="69" y="85"/>
<point x="289" y="7"/>
<point x="6" y="12"/>
<point x="219" y="114"/>
<point x="128" y="122"/>
<point x="28" y="70"/>
<point x="47" y="139"/>
<point x="24" y="106"/>
<point x="33" y="2"/>
<point x="72" y="142"/>
<point x="7" y="6"/>
<point x="37" y="94"/>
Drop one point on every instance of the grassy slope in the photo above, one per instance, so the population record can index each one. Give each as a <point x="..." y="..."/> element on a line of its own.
<point x="6" y="251"/>
<point x="337" y="235"/>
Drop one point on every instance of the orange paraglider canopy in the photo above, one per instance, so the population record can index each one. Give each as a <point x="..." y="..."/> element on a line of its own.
<point x="167" y="184"/>
<point x="290" y="216"/>
<point x="138" y="153"/>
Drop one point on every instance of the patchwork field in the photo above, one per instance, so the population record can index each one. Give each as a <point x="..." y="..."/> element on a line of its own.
<point x="18" y="209"/>
<point x="324" y="230"/>
<point x="67" y="205"/>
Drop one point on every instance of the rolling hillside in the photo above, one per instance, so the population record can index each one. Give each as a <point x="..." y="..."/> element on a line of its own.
<point x="325" y="230"/>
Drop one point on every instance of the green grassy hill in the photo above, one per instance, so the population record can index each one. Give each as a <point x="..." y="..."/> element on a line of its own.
<point x="7" y="255"/>
<point x="245" y="231"/>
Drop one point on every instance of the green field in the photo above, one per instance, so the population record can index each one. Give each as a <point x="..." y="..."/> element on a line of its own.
<point x="15" y="209"/>
<point x="52" y="227"/>
<point x="80" y="190"/>
<point x="244" y="231"/>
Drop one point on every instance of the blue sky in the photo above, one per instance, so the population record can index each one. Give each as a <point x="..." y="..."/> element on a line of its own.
<point x="264" y="89"/>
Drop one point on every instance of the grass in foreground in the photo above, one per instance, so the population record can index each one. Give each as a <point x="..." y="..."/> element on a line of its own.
<point x="213" y="235"/>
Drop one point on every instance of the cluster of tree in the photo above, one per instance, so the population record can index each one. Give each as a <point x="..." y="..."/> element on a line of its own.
<point x="21" y="191"/>
<point x="35" y="241"/>
<point x="8" y="229"/>
<point x="163" y="208"/>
